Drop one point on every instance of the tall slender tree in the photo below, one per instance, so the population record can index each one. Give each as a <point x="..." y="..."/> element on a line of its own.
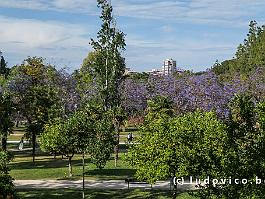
<point x="109" y="65"/>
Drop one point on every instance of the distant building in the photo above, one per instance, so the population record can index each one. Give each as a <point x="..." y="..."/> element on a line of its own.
<point x="155" y="72"/>
<point x="128" y="71"/>
<point x="170" y="67"/>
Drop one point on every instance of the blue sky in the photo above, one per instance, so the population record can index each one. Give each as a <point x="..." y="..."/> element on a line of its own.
<point x="193" y="32"/>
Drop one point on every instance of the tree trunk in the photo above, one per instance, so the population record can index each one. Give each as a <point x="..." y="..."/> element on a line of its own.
<point x="17" y="123"/>
<point x="70" y="169"/>
<point x="83" y="193"/>
<point x="174" y="196"/>
<point x="116" y="148"/>
<point x="4" y="142"/>
<point x="33" y="146"/>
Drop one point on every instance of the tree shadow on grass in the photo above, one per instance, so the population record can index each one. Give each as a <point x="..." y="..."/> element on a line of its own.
<point x="108" y="174"/>
<point x="43" y="163"/>
<point x="101" y="174"/>
<point x="94" y="194"/>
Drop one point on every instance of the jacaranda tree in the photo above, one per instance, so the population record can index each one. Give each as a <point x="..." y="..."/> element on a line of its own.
<point x="33" y="92"/>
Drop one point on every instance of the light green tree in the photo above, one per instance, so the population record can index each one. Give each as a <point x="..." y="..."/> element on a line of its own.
<point x="187" y="145"/>
<point x="86" y="131"/>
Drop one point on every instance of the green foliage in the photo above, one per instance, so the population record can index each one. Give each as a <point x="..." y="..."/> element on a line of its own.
<point x="6" y="181"/>
<point x="198" y="139"/>
<point x="69" y="136"/>
<point x="261" y="116"/>
<point x="150" y="156"/>
<point x="6" y="124"/>
<point x="158" y="107"/>
<point x="142" y="77"/>
<point x="6" y="105"/>
<point x="38" y="92"/>
<point x="34" y="92"/>
<point x="108" y="66"/>
<point x="245" y="149"/>
<point x="89" y="130"/>
<point x="198" y="144"/>
<point x="249" y="55"/>
<point x="4" y="70"/>
<point x="86" y="74"/>
<point x="178" y="146"/>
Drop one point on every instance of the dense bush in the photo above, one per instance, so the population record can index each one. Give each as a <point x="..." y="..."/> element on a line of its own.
<point x="6" y="181"/>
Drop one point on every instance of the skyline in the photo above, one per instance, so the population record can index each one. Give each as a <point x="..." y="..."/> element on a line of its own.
<point x="195" y="33"/>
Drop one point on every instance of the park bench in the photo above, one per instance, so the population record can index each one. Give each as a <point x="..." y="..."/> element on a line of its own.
<point x="133" y="180"/>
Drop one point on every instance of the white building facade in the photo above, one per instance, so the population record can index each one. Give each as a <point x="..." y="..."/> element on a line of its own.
<point x="170" y="67"/>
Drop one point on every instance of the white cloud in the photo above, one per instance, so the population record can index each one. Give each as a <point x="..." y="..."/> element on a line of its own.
<point x="167" y="29"/>
<point x="55" y="41"/>
<point x="25" y="4"/>
<point x="225" y="12"/>
<point x="78" y="5"/>
<point x="36" y="34"/>
<point x="84" y="6"/>
<point x="50" y="39"/>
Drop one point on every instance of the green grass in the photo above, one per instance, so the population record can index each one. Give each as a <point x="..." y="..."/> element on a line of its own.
<point x="46" y="167"/>
<point x="15" y="137"/>
<point x="127" y="132"/>
<point x="99" y="194"/>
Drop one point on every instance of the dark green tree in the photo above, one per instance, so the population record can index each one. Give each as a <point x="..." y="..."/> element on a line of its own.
<point x="6" y="105"/>
<point x="6" y="182"/>
<point x="4" y="70"/>
<point x="245" y="148"/>
<point x="6" y="124"/>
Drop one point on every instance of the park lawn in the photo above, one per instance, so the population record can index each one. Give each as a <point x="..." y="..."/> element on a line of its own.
<point x="98" y="194"/>
<point x="46" y="167"/>
<point x="19" y="130"/>
<point x="15" y="137"/>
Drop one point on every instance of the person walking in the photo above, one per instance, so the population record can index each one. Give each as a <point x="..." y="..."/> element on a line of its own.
<point x="21" y="143"/>
<point x="130" y="137"/>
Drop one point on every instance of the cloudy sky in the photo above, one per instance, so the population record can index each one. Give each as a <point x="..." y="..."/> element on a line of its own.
<point x="193" y="32"/>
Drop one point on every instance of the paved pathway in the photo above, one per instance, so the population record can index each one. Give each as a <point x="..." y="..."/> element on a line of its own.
<point x="92" y="184"/>
<point x="16" y="142"/>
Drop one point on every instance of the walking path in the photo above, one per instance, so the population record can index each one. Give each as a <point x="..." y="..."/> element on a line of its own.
<point x="93" y="184"/>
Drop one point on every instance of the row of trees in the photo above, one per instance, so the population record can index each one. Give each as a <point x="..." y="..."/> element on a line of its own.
<point x="189" y="92"/>
<point x="55" y="104"/>
<point x="39" y="93"/>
